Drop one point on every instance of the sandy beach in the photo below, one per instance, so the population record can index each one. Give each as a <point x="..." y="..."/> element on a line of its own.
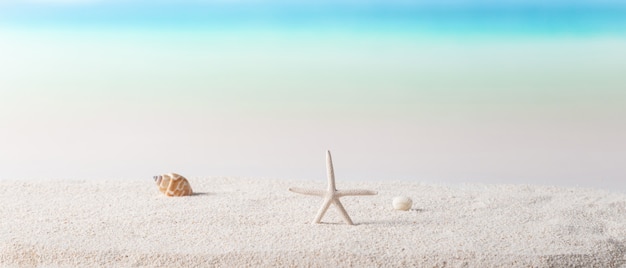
<point x="258" y="222"/>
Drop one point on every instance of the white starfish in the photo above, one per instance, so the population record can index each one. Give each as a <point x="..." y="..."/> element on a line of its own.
<point x="331" y="195"/>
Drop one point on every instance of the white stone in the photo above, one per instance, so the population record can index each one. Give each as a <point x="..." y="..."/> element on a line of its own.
<point x="402" y="203"/>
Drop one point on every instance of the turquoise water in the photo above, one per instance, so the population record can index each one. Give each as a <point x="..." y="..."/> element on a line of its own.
<point x="499" y="19"/>
<point x="503" y="93"/>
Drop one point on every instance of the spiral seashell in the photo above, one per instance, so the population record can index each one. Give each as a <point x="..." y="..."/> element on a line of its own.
<point x="172" y="184"/>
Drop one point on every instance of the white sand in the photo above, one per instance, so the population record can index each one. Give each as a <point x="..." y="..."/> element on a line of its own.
<point x="257" y="222"/>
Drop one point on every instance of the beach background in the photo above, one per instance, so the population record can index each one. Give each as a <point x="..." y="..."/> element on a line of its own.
<point x="506" y="92"/>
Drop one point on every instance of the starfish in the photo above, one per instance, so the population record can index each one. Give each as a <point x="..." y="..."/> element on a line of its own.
<point x="331" y="195"/>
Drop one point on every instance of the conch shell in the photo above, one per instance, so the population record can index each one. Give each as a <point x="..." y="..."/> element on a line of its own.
<point x="172" y="184"/>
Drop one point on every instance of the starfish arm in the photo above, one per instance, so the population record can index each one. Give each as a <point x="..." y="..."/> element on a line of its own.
<point x="330" y="172"/>
<point x="307" y="191"/>
<point x="343" y="211"/>
<point x="322" y="211"/>
<point x="355" y="192"/>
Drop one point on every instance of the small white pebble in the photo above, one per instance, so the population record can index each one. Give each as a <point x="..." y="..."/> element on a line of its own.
<point x="402" y="203"/>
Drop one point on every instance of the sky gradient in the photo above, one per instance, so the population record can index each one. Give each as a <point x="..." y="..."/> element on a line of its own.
<point x="456" y="91"/>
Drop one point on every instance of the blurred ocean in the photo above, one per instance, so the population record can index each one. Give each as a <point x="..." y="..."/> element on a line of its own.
<point x="457" y="91"/>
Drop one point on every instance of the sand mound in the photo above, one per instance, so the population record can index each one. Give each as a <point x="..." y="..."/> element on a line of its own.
<point x="257" y="222"/>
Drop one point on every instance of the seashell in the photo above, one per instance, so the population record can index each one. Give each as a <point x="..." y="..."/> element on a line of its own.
<point x="402" y="203"/>
<point x="172" y="184"/>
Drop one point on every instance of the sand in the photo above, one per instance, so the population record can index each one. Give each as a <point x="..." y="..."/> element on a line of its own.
<point x="257" y="222"/>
